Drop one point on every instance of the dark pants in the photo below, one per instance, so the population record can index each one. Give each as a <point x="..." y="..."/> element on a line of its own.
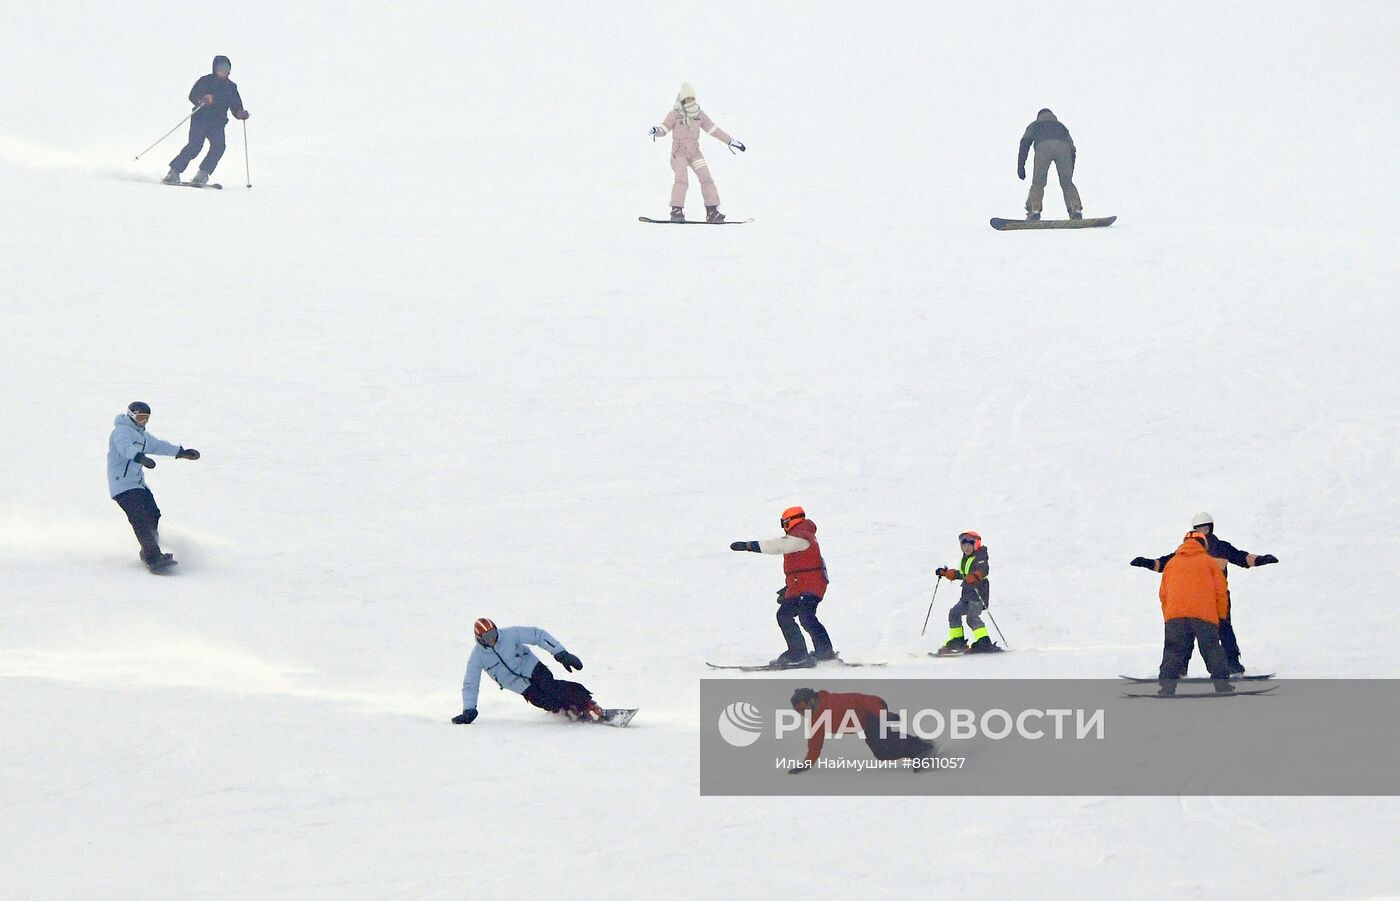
<point x="894" y="745"/>
<point x="802" y="609"/>
<point x="199" y="131"/>
<point x="1230" y="645"/>
<point x="554" y="695"/>
<point x="1176" y="648"/>
<point x="141" y="511"/>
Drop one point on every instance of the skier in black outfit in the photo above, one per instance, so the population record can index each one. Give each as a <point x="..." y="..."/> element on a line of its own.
<point x="213" y="95"/>
<point x="1222" y="550"/>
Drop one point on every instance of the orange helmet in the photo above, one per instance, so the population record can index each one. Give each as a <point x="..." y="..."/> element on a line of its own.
<point x="792" y="515"/>
<point x="482" y="628"/>
<point x="973" y="537"/>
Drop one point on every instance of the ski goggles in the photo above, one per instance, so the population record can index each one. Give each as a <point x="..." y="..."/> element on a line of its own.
<point x="966" y="539"/>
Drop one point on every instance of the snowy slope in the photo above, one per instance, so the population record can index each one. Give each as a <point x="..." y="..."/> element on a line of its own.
<point x="437" y="370"/>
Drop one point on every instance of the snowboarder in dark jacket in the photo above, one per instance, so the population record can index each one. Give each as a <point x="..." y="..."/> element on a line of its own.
<point x="1226" y="553"/>
<point x="1052" y="144"/>
<point x="129" y="451"/>
<point x="214" y="96"/>
<point x="976" y="597"/>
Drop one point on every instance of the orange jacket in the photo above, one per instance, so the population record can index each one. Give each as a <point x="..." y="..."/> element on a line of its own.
<point x="831" y="715"/>
<point x="1193" y="585"/>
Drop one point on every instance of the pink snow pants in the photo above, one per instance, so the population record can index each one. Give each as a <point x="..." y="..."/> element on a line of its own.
<point x="680" y="162"/>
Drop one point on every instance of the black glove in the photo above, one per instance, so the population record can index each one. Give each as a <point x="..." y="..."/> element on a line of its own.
<point x="744" y="546"/>
<point x="465" y="717"/>
<point x="1021" y="172"/>
<point x="1144" y="563"/>
<point x="145" y="461"/>
<point x="187" y="453"/>
<point x="798" y="769"/>
<point x="1265" y="559"/>
<point x="568" y="661"/>
<point x="939" y="572"/>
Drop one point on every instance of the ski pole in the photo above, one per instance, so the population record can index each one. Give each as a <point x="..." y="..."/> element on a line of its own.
<point x="998" y="628"/>
<point x="930" y="605"/>
<point x="168" y="133"/>
<point x="247" y="173"/>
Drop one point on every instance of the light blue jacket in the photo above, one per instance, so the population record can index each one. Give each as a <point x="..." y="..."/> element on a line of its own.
<point x="509" y="662"/>
<point x="129" y="439"/>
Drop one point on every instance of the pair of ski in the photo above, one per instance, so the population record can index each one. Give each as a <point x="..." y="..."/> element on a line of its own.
<point x="779" y="667"/>
<point x="1198" y="680"/>
<point x="190" y="184"/>
<point x="691" y="221"/>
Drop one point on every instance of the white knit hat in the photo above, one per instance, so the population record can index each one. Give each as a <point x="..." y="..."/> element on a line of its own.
<point x="1202" y="519"/>
<point x="685" y="91"/>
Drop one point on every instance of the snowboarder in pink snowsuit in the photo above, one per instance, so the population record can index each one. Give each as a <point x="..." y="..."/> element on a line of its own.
<point x="684" y="123"/>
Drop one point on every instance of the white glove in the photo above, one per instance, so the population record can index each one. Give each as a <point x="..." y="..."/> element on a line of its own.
<point x="655" y="132"/>
<point x="735" y="144"/>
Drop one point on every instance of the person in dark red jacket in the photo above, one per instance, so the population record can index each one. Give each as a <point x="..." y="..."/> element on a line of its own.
<point x="833" y="714"/>
<point x="803" y="589"/>
<point x="213" y="96"/>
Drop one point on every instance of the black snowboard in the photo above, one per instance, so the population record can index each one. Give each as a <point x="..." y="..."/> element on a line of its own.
<point x="693" y="221"/>
<point x="1004" y="225"/>
<point x="1239" y="692"/>
<point x="1252" y="677"/>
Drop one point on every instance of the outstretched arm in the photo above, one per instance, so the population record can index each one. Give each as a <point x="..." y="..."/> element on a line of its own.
<point x="471" y="682"/>
<point x="712" y="129"/>
<point x="788" y="544"/>
<point x="660" y="131"/>
<point x="542" y="639"/>
<point x="161" y="448"/>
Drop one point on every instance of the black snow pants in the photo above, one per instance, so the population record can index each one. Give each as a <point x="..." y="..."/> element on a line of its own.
<point x="141" y="511"/>
<point x="802" y="609"/>
<point x="1179" y="634"/>
<point x="199" y="132"/>
<point x="895" y="744"/>
<point x="554" y="695"/>
<point x="1229" y="643"/>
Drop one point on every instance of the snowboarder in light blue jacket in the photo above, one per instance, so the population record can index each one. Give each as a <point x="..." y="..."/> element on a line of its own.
<point x="129" y="451"/>
<point x="505" y="656"/>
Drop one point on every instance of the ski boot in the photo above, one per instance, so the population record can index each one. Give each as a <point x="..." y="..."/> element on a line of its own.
<point x="790" y="658"/>
<point x="954" y="647"/>
<point x="200" y="178"/>
<point x="1076" y="214"/>
<point x="171" y="178"/>
<point x="713" y="215"/>
<point x="1236" y="670"/>
<point x="823" y="656"/>
<point x="984" y="645"/>
<point x="1032" y="217"/>
<point x="677" y="214"/>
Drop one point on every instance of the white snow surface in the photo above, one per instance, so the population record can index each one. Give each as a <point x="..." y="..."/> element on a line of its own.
<point x="438" y="370"/>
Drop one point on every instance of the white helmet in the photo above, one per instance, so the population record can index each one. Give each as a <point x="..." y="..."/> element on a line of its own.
<point x="1202" y="519"/>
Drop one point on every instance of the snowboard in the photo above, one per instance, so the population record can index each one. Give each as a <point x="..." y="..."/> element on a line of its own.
<point x="616" y="716"/>
<point x="190" y="184"/>
<point x="692" y="221"/>
<point x="1199" y="695"/>
<point x="1249" y="677"/>
<point x="1003" y="225"/>
<point x="775" y="667"/>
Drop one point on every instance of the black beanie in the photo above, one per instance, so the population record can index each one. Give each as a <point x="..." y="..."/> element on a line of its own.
<point x="137" y="406"/>
<point x="218" y="60"/>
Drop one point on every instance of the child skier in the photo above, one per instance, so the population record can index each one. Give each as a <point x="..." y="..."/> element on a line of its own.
<point x="684" y="123"/>
<point x="976" y="597"/>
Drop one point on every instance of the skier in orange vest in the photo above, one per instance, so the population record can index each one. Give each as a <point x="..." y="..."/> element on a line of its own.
<point x="803" y="589"/>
